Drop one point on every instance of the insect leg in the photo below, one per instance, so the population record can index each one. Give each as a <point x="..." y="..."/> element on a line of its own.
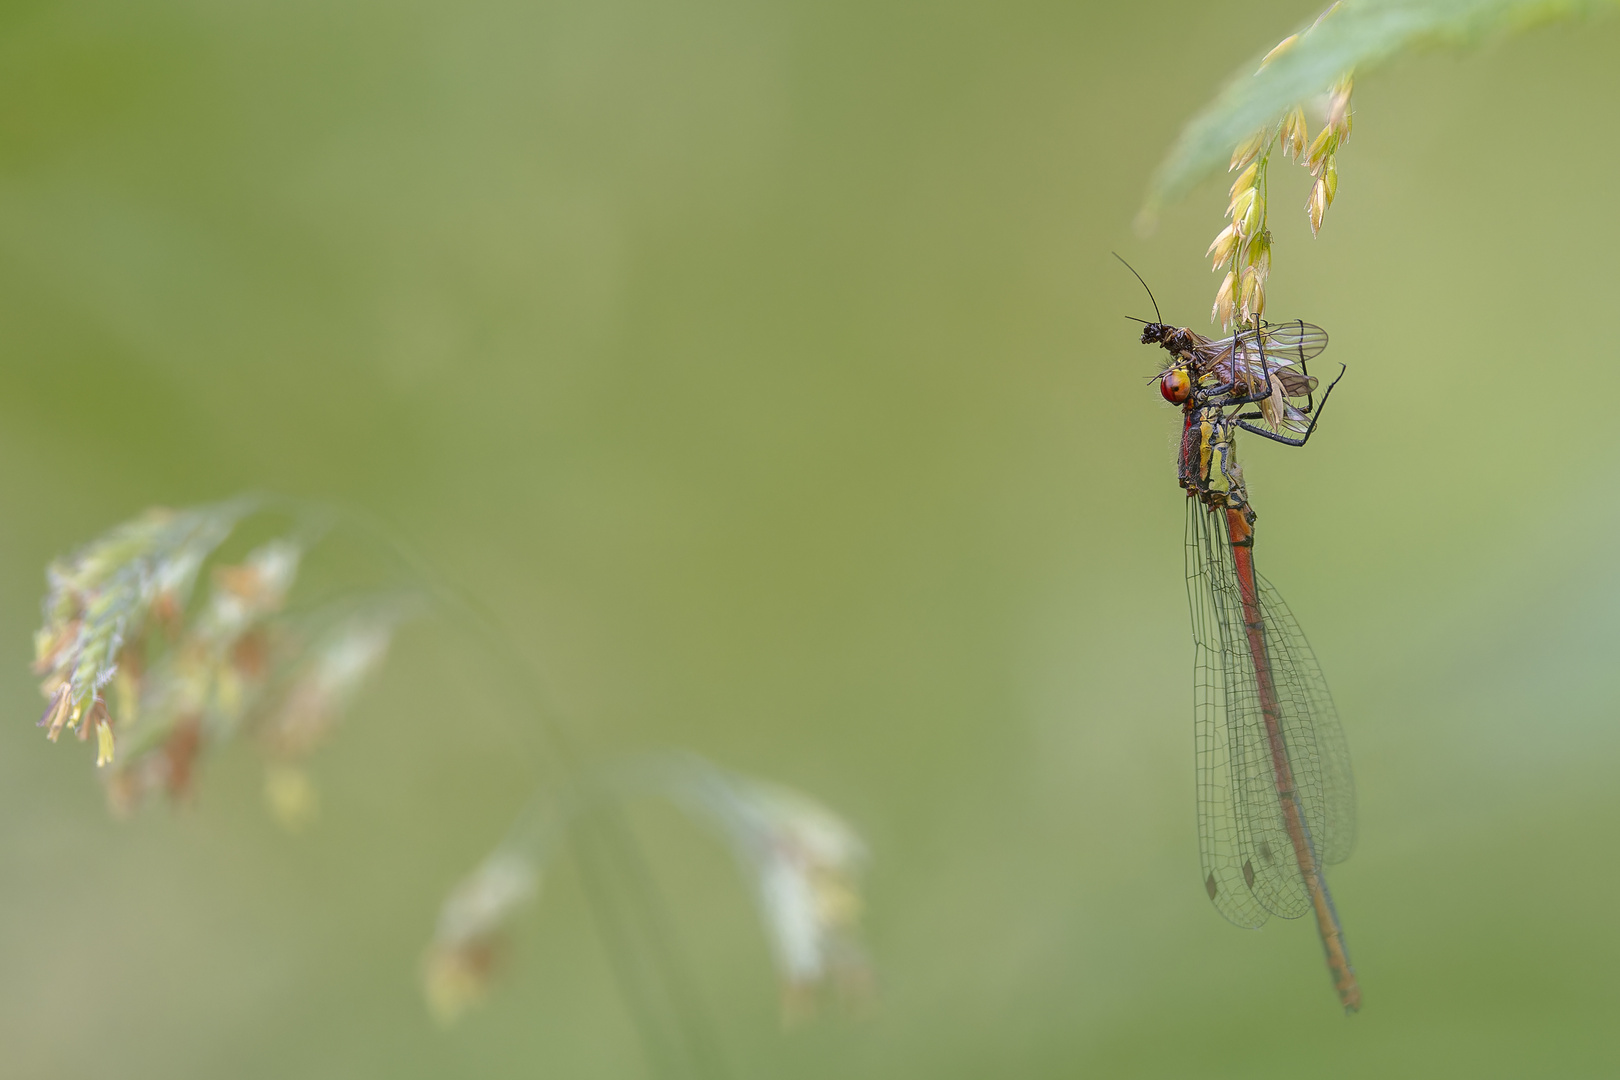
<point x="1303" y="439"/>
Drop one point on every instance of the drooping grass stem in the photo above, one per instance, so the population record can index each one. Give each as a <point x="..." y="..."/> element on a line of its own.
<point x="676" y="1034"/>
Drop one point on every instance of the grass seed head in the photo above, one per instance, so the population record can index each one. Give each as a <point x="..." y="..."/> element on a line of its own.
<point x="1241" y="295"/>
<point x="1338" y="111"/>
<point x="1253" y="295"/>
<point x="158" y="681"/>
<point x="1317" y="205"/>
<point x="1244" y="181"/>
<point x="1243" y="247"/>
<point x="105" y="748"/>
<point x="1225" y="299"/>
<point x="805" y="863"/>
<point x="1273" y="408"/>
<point x="1294" y="134"/>
<point x="461" y="959"/>
<point x="1277" y="50"/>
<point x="1258" y="255"/>
<point x="291" y="796"/>
<point x="1220" y="250"/>
<point x="1248" y="150"/>
<point x="101" y="597"/>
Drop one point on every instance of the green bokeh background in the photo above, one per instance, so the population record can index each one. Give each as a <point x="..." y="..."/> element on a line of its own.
<point x="762" y="366"/>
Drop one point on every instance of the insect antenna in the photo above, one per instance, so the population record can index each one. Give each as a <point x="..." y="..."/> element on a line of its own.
<point x="1156" y="316"/>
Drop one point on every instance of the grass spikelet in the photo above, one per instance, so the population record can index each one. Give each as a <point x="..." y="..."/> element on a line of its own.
<point x="801" y="860"/>
<point x="102" y="599"/>
<point x="804" y="863"/>
<point x="291" y="796"/>
<point x="1243" y="248"/>
<point x="1351" y="36"/>
<point x="1322" y="158"/>
<point x="323" y="674"/>
<point x="184" y="678"/>
<point x="461" y="961"/>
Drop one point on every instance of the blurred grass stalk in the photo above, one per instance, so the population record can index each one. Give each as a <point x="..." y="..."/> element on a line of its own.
<point x="186" y="676"/>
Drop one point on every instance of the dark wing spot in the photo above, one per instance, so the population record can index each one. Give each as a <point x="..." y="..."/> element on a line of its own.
<point x="1266" y="855"/>
<point x="1209" y="886"/>
<point x="1248" y="873"/>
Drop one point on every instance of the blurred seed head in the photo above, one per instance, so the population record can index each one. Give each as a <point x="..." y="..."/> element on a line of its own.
<point x="1248" y="150"/>
<point x="461" y="960"/>
<point x="105" y="748"/>
<point x="187" y="678"/>
<point x="101" y="598"/>
<point x="802" y="861"/>
<point x="805" y="863"/>
<point x="326" y="674"/>
<point x="1277" y="50"/>
<point x="1338" y="111"/>
<point x="1294" y="134"/>
<point x="291" y="796"/>
<point x="159" y="681"/>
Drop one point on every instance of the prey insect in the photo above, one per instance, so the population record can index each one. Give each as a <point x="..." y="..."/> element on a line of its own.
<point x="1264" y="365"/>
<point x="1276" y="801"/>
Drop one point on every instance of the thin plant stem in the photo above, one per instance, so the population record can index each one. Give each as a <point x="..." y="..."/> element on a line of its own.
<point x="676" y="1035"/>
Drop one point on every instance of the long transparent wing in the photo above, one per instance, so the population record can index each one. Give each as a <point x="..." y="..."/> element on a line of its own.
<point x="1270" y="867"/>
<point x="1316" y="742"/>
<point x="1250" y="866"/>
<point x="1250" y="356"/>
<point x="1219" y="847"/>
<point x="1293" y="342"/>
<point x="1223" y="842"/>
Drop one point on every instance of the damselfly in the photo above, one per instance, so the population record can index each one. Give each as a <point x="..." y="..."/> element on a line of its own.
<point x="1276" y="802"/>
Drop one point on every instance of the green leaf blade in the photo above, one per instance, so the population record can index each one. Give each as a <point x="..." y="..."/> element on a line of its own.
<point x="1359" y="36"/>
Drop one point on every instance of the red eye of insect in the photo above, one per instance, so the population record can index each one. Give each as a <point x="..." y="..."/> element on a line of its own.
<point x="1175" y="386"/>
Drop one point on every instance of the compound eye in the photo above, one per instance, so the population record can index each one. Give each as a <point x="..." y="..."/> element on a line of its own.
<point x="1176" y="386"/>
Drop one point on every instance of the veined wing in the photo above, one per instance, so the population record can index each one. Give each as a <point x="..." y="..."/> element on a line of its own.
<point x="1310" y="722"/>
<point x="1295" y="340"/>
<point x="1219" y="846"/>
<point x="1293" y="419"/>
<point x="1232" y="778"/>
<point x="1250" y="866"/>
<point x="1250" y="356"/>
<point x="1291" y="342"/>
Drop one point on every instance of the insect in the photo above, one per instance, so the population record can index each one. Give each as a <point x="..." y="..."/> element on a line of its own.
<point x="1267" y="362"/>
<point x="1276" y="801"/>
<point x="1263" y="365"/>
